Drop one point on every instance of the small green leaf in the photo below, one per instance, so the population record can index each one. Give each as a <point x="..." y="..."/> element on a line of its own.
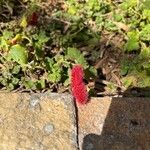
<point x="146" y="14"/>
<point x="3" y="44"/>
<point x="90" y="72"/>
<point x="49" y="63"/>
<point x="67" y="82"/>
<point x="18" y="54"/>
<point x="145" y="33"/>
<point x="16" y="69"/>
<point x="40" y="84"/>
<point x="75" y="55"/>
<point x="133" y="41"/>
<point x="41" y="38"/>
<point x="54" y="77"/>
<point x="111" y="87"/>
<point x="72" y="10"/>
<point x="128" y="81"/>
<point x="15" y="81"/>
<point x="145" y="53"/>
<point x="29" y="84"/>
<point x="24" y="22"/>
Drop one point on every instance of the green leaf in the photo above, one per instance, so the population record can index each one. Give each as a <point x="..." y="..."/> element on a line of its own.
<point x="49" y="63"/>
<point x="128" y="4"/>
<point x="67" y="82"/>
<point x="133" y="41"/>
<point x="3" y="44"/>
<point x="7" y="34"/>
<point x="10" y="86"/>
<point x="90" y="72"/>
<point x="24" y="22"/>
<point x="146" y="14"/>
<point x="128" y="81"/>
<point x="72" y="10"/>
<point x="145" y="33"/>
<point x="15" y="81"/>
<point x="111" y="87"/>
<point x="55" y="75"/>
<point x="146" y="4"/>
<point x="16" y="69"/>
<point x="18" y="54"/>
<point x="40" y="84"/>
<point x="29" y="84"/>
<point x="75" y="55"/>
<point x="41" y="38"/>
<point x="124" y="70"/>
<point x="145" y="53"/>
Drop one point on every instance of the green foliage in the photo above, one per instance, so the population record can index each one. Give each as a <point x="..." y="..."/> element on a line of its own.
<point x="18" y="54"/>
<point x="133" y="41"/>
<point x="41" y="56"/>
<point x="75" y="55"/>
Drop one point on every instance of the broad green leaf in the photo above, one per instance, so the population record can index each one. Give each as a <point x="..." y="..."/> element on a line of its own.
<point x="18" y="54"/>
<point x="146" y="4"/>
<point x="7" y="34"/>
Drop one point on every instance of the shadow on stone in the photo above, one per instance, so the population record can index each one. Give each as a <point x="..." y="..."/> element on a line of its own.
<point x="126" y="127"/>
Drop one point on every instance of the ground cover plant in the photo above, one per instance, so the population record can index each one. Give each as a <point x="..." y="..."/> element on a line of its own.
<point x="40" y="41"/>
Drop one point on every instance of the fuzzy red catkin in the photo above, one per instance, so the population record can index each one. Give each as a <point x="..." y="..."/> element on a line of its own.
<point x="33" y="19"/>
<point x="77" y="85"/>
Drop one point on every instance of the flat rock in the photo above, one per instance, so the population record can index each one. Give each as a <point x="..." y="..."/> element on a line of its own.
<point x="114" y="124"/>
<point x="37" y="122"/>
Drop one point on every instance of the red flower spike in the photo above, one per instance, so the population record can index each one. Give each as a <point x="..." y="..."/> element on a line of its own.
<point x="33" y="19"/>
<point x="77" y="85"/>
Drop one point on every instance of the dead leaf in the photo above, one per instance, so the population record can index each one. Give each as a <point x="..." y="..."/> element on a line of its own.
<point x="122" y="26"/>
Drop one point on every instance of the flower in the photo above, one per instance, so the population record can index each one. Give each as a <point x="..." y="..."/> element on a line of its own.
<point x="33" y="20"/>
<point x="78" y="87"/>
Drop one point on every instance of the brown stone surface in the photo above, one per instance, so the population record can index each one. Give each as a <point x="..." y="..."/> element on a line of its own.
<point x="37" y="122"/>
<point x="114" y="124"/>
<point x="49" y="121"/>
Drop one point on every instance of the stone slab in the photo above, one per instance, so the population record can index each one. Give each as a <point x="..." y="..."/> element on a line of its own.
<point x="114" y="124"/>
<point x="37" y="122"/>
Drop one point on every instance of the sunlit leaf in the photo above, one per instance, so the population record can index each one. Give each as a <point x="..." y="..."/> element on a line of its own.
<point x="18" y="54"/>
<point x="24" y="22"/>
<point x="133" y="41"/>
